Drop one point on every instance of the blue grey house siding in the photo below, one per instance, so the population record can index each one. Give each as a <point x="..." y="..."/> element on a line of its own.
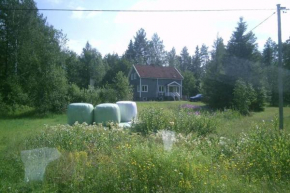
<point x="151" y="86"/>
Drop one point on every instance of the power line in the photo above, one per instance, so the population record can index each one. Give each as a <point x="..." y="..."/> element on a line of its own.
<point x="262" y="22"/>
<point x="138" y="10"/>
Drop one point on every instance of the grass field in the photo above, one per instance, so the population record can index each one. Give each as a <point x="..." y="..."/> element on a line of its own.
<point x="237" y="154"/>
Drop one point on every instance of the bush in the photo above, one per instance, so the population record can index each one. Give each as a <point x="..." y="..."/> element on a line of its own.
<point x="122" y="86"/>
<point x="107" y="95"/>
<point x="152" y="120"/>
<point x="259" y="103"/>
<point x="247" y="99"/>
<point x="50" y="92"/>
<point x="13" y="96"/>
<point x="184" y="121"/>
<point x="243" y="96"/>
<point x="75" y="94"/>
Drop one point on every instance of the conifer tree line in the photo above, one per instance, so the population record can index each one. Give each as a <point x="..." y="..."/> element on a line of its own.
<point x="37" y="70"/>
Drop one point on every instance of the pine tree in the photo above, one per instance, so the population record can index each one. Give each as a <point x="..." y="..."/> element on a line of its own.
<point x="141" y="47"/>
<point x="243" y="45"/>
<point x="172" y="58"/>
<point x="196" y="63"/>
<point x="185" y="62"/>
<point x="270" y="63"/>
<point x="204" y="56"/>
<point x="216" y="91"/>
<point x="156" y="51"/>
<point x="270" y="53"/>
<point x="130" y="52"/>
<point x="92" y="65"/>
<point x="217" y="55"/>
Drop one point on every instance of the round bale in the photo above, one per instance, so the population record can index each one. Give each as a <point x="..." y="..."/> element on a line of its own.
<point x="107" y="112"/>
<point x="128" y="110"/>
<point x="80" y="112"/>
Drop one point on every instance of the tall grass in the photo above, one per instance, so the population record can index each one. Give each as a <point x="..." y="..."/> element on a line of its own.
<point x="96" y="159"/>
<point x="202" y="158"/>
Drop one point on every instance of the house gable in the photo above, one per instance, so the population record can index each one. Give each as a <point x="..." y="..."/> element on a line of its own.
<point x="145" y="71"/>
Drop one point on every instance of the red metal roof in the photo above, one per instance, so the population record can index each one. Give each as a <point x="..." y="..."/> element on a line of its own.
<point x="146" y="71"/>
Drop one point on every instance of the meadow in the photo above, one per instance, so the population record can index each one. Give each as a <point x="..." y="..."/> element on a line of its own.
<point x="212" y="151"/>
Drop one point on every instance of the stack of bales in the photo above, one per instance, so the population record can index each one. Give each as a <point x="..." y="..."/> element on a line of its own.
<point x="122" y="111"/>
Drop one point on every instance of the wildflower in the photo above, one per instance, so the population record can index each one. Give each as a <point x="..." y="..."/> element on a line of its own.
<point x="197" y="113"/>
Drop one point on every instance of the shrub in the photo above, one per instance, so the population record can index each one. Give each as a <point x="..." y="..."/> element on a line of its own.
<point x="107" y="94"/>
<point x="242" y="97"/>
<point x="264" y="153"/>
<point x="122" y="86"/>
<point x="152" y="120"/>
<point x="184" y="121"/>
<point x="259" y="103"/>
<point x="75" y="94"/>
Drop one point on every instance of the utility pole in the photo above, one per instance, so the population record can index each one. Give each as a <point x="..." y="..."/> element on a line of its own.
<point x="280" y="67"/>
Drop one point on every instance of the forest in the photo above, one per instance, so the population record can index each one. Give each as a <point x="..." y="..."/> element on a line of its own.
<point x="38" y="71"/>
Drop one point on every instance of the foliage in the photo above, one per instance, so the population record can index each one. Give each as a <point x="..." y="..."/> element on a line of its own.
<point x="189" y="87"/>
<point x="31" y="59"/>
<point x="186" y="120"/>
<point x="172" y="58"/>
<point x="113" y="159"/>
<point x="156" y="51"/>
<point x="140" y="47"/>
<point x="185" y="59"/>
<point x="222" y="86"/>
<point x="264" y="152"/>
<point x="259" y="102"/>
<point x="243" y="97"/>
<point x="242" y="45"/>
<point x="93" y="69"/>
<point x="122" y="87"/>
<point x="115" y="64"/>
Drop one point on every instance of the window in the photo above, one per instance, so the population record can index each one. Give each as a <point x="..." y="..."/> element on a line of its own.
<point x="161" y="89"/>
<point x="134" y="75"/>
<point x="144" y="88"/>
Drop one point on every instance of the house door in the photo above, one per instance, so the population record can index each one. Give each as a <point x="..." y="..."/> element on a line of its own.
<point x="174" y="89"/>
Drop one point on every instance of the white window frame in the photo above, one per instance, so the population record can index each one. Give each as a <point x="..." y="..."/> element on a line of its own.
<point x="145" y="86"/>
<point x="162" y="90"/>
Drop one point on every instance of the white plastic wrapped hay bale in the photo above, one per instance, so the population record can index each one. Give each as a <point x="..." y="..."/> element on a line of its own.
<point x="80" y="112"/>
<point x="107" y="112"/>
<point x="128" y="110"/>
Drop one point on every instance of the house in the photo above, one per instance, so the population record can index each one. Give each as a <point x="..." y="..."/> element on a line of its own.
<point x="155" y="82"/>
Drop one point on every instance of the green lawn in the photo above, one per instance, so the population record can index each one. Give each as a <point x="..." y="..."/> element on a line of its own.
<point x="17" y="127"/>
<point x="101" y="160"/>
<point x="14" y="129"/>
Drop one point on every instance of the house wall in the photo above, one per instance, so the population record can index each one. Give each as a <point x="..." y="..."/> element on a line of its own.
<point x="134" y="83"/>
<point x="152" y="84"/>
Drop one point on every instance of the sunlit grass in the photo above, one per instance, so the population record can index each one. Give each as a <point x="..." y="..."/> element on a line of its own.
<point x="245" y="154"/>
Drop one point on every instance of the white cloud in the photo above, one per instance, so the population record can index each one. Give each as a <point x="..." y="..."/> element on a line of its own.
<point x="83" y="14"/>
<point x="78" y="14"/>
<point x="54" y="1"/>
<point x="195" y="28"/>
<point x="75" y="45"/>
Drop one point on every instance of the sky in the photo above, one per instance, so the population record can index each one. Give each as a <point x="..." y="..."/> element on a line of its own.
<point x="111" y="32"/>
